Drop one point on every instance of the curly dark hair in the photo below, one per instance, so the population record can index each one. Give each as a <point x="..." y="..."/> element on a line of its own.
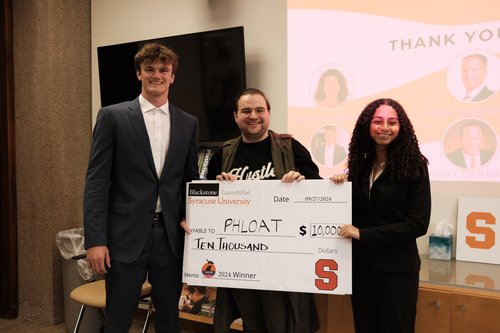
<point x="404" y="159"/>
<point x="343" y="91"/>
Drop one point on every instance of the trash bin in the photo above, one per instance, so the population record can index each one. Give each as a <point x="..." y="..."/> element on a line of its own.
<point x="75" y="273"/>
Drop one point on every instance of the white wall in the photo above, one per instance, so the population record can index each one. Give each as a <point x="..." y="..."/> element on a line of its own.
<point x="264" y="22"/>
<point x="119" y="21"/>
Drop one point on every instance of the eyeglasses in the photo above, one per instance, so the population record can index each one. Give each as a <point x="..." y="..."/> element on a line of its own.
<point x="248" y="111"/>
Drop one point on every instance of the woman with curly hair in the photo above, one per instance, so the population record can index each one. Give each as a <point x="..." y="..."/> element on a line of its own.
<point x="391" y="205"/>
<point x="332" y="90"/>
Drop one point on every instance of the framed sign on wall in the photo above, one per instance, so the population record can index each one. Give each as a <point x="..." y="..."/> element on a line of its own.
<point x="478" y="234"/>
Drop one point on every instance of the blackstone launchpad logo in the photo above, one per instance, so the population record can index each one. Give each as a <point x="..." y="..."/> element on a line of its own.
<point x="203" y="190"/>
<point x="208" y="269"/>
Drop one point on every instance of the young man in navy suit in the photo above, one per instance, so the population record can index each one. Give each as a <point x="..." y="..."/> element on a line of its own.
<point x="143" y="153"/>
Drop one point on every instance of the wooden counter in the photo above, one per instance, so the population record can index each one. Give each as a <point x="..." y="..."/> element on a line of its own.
<point x="454" y="296"/>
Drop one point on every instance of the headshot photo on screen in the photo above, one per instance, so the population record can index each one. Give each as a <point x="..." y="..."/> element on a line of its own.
<point x="470" y="144"/>
<point x="331" y="89"/>
<point x="475" y="76"/>
<point x="326" y="147"/>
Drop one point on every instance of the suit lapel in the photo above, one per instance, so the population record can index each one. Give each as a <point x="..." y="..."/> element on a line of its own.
<point x="175" y="125"/>
<point x="137" y="121"/>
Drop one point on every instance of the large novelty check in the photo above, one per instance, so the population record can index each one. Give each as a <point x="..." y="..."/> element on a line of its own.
<point x="268" y="235"/>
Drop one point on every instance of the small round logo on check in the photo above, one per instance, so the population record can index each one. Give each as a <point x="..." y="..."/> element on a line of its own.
<point x="208" y="269"/>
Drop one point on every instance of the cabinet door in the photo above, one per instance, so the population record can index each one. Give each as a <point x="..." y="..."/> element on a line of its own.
<point x="477" y="314"/>
<point x="433" y="311"/>
<point x="334" y="313"/>
<point x="340" y="317"/>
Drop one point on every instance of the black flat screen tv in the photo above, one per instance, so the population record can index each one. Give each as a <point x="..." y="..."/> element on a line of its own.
<point x="211" y="73"/>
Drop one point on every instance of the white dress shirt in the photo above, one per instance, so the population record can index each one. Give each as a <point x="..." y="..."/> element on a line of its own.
<point x="472" y="162"/>
<point x="329" y="154"/>
<point x="471" y="95"/>
<point x="157" y="122"/>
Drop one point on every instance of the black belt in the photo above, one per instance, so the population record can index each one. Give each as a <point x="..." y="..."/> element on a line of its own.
<point x="157" y="217"/>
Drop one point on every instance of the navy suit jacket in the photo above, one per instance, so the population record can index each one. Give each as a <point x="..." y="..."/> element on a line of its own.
<point x="122" y="186"/>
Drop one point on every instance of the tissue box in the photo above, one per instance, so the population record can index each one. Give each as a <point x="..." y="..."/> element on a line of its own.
<point x="440" y="247"/>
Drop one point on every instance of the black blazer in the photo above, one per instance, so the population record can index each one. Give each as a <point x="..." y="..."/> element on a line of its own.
<point x="122" y="186"/>
<point x="339" y="154"/>
<point x="390" y="218"/>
